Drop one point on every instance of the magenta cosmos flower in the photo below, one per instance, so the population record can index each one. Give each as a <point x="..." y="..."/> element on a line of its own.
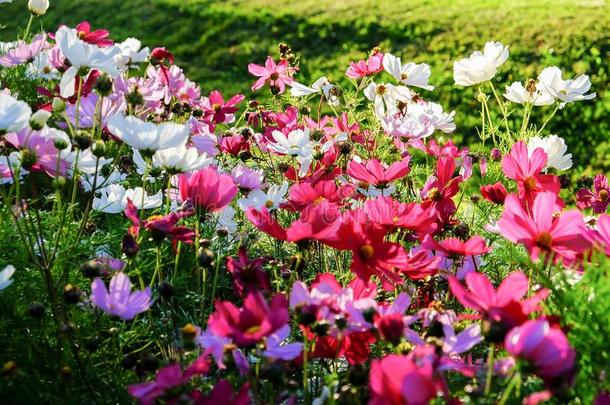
<point x="401" y="380"/>
<point x="504" y="305"/>
<point x="251" y="323"/>
<point x="597" y="199"/>
<point x="118" y="300"/>
<point x="524" y="169"/>
<point x="278" y="75"/>
<point x="542" y="232"/>
<point x="207" y="189"/>
<point x="544" y="346"/>
<point x="373" y="172"/>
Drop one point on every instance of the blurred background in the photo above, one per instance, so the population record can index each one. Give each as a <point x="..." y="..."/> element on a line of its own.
<point x="215" y="40"/>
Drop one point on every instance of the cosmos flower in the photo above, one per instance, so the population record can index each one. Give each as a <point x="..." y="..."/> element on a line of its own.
<point x="566" y="91"/>
<point x="542" y="232"/>
<point x="411" y="74"/>
<point x="14" y="114"/>
<point x="555" y="149"/>
<point x="278" y="75"/>
<point x="82" y="55"/>
<point x="207" y="189"/>
<point x="118" y="300"/>
<point x="146" y="136"/>
<point x="362" y="68"/>
<point x="534" y="93"/>
<point x="598" y="198"/>
<point x="23" y="52"/>
<point x="480" y="67"/>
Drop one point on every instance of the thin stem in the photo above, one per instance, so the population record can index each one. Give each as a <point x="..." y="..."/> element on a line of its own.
<point x="490" y="369"/>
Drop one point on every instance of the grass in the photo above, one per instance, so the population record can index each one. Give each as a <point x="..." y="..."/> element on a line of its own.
<point x="214" y="42"/>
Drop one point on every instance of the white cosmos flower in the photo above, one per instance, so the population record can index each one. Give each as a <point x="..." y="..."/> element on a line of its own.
<point x="226" y="220"/>
<point x="411" y="74"/>
<point x="113" y="199"/>
<point x="146" y="136"/>
<point x="131" y="53"/>
<point x="272" y="199"/>
<point x="87" y="161"/>
<point x="100" y="181"/>
<point x="5" y="276"/>
<point x="441" y="120"/>
<point x="555" y="148"/>
<point x="480" y="67"/>
<point x="385" y="97"/>
<point x="322" y="85"/>
<point x="534" y="93"/>
<point x="296" y="143"/>
<point x="42" y="68"/>
<point x="180" y="159"/>
<point x="565" y="90"/>
<point x="14" y="114"/>
<point x="83" y="56"/>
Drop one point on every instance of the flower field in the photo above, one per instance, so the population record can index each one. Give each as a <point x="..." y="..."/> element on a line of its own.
<point x="365" y="234"/>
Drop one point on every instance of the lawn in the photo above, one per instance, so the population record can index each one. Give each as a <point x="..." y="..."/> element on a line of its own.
<point x="214" y="42"/>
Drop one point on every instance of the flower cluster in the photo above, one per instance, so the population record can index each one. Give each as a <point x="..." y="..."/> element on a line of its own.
<point x="287" y="256"/>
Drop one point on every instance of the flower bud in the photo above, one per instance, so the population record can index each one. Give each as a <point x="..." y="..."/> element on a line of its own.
<point x="38" y="7"/>
<point x="98" y="148"/>
<point x="205" y="257"/>
<point x="72" y="294"/>
<point x="91" y="269"/>
<point x="60" y="144"/>
<point x="104" y="85"/>
<point x="129" y="246"/>
<point x="36" y="310"/>
<point x="39" y="119"/>
<point x="166" y="290"/>
<point x="59" y="105"/>
<point x="496" y="155"/>
<point x="59" y="182"/>
<point x="82" y="142"/>
<point x="9" y="367"/>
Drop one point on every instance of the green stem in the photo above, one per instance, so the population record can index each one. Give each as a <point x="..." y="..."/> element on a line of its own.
<point x="490" y="368"/>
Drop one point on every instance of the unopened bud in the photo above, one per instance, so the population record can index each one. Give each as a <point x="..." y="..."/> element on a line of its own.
<point x="98" y="148"/>
<point x="38" y="7"/>
<point x="39" y="119"/>
<point x="59" y="105"/>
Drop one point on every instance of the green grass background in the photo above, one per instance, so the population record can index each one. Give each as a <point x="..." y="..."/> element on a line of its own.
<point x="215" y="40"/>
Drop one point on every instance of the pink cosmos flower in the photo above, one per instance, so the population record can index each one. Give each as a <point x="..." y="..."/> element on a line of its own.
<point x="542" y="232"/>
<point x="278" y="75"/>
<point x="393" y="214"/>
<point x="167" y="379"/>
<point x="97" y="37"/>
<point x="302" y="195"/>
<point x="545" y="347"/>
<point x="440" y="189"/>
<point x="251" y="323"/>
<point x="118" y="300"/>
<point x="367" y="67"/>
<point x="217" y="111"/>
<point x="161" y="226"/>
<point x="24" y="52"/>
<point x="373" y="172"/>
<point x="518" y="165"/>
<point x="207" y="189"/>
<point x="455" y="248"/>
<point x="401" y="380"/>
<point x="40" y="146"/>
<point x="597" y="199"/>
<point x="502" y="306"/>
